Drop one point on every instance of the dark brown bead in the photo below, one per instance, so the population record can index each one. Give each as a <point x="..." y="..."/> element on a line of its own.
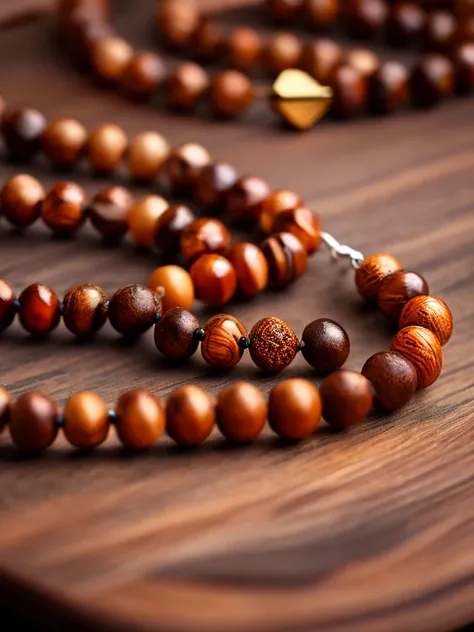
<point x="286" y="257"/>
<point x="294" y="409"/>
<point x="388" y="88"/>
<point x="86" y="420"/>
<point x="177" y="21"/>
<point x="175" y="334"/>
<point x="275" y="203"/>
<point x="440" y="32"/>
<point x="190" y="415"/>
<point x="302" y="223"/>
<point x="186" y="86"/>
<point x="371" y="272"/>
<point x="282" y="51"/>
<point x="213" y="184"/>
<point x="431" y="80"/>
<point x="22" y="130"/>
<point x="109" y="210"/>
<point x="63" y="142"/>
<point x="463" y="60"/>
<point x="7" y="305"/>
<point x="204" y="236"/>
<point x="430" y="312"/>
<point x="347" y="398"/>
<point x="208" y="41"/>
<point x="85" y="309"/>
<point x="393" y="378"/>
<point x="365" y="18"/>
<point x="140" y="419"/>
<point x="273" y="344"/>
<point x="350" y="91"/>
<point x="241" y="412"/>
<point x="63" y="208"/>
<point x="20" y="200"/>
<point x="397" y="289"/>
<point x="6" y="401"/>
<point x="32" y="422"/>
<point x="322" y="14"/>
<point x="214" y="279"/>
<point x="230" y="93"/>
<point x="250" y="266"/>
<point x="39" y="311"/>
<point x="170" y="226"/>
<point x="243" y="48"/>
<point x="245" y="199"/>
<point x="143" y="75"/>
<point x="320" y="58"/>
<point x="184" y="165"/>
<point x="284" y="11"/>
<point x="326" y="345"/>
<point x="133" y="309"/>
<point x="220" y="347"/>
<point x="365" y="61"/>
<point x="422" y="348"/>
<point x="405" y="23"/>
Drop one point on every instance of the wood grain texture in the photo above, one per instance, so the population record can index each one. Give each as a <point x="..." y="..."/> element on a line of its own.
<point x="367" y="531"/>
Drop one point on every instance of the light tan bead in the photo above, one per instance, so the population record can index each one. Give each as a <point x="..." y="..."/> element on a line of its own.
<point x="174" y="285"/>
<point x="106" y="147"/>
<point x="86" y="422"/>
<point x="145" y="155"/>
<point x="63" y="142"/>
<point x="143" y="217"/>
<point x="110" y="56"/>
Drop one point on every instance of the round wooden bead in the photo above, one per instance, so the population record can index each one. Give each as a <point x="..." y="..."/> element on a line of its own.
<point x="388" y="88"/>
<point x="177" y="21"/>
<point x="190" y="415"/>
<point x="431" y="80"/>
<point x="405" y="23"/>
<point x="320" y="58"/>
<point x="213" y="184"/>
<point x="146" y="153"/>
<point x="221" y="346"/>
<point x="365" y="18"/>
<point x="39" y="311"/>
<point x="365" y="61"/>
<point x="347" y="398"/>
<point x="20" y="200"/>
<point x="7" y="305"/>
<point x="275" y="203"/>
<point x="243" y="48"/>
<point x="350" y="91"/>
<point x="144" y="73"/>
<point x="174" y="285"/>
<point x="32" y="422"/>
<point x="245" y="199"/>
<point x="143" y="218"/>
<point x="86" y="420"/>
<point x="169" y="227"/>
<point x="140" y="419"/>
<point x="286" y="257"/>
<point x="322" y="13"/>
<point x="326" y="345"/>
<point x="250" y="266"/>
<point x="393" y="377"/>
<point x="204" y="236"/>
<point x="282" y="51"/>
<point x="422" y="348"/>
<point x="241" y="412"/>
<point x="175" y="334"/>
<point x="230" y="93"/>
<point x="273" y="344"/>
<point x="110" y="56"/>
<point x="294" y="409"/>
<point x="284" y="11"/>
<point x="85" y="309"/>
<point x="372" y="271"/>
<point x="108" y="212"/>
<point x="214" y="279"/>
<point x="22" y="129"/>
<point x="440" y="31"/>
<point x="63" y="142"/>
<point x="397" y="289"/>
<point x="430" y="312"/>
<point x="184" y="165"/>
<point x="105" y="148"/>
<point x="63" y="208"/>
<point x="303" y="224"/>
<point x="6" y="401"/>
<point x="133" y="309"/>
<point x="208" y="40"/>
<point x="186" y="86"/>
<point x="463" y="60"/>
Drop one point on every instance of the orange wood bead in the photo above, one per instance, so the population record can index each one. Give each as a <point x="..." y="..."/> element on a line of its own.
<point x="243" y="48"/>
<point x="133" y="309"/>
<point x="110" y="56"/>
<point x="284" y="11"/>
<point x="393" y="377"/>
<point x="320" y="58"/>
<point x="190" y="415"/>
<point x="230" y="93"/>
<point x="174" y="285"/>
<point x="208" y="40"/>
<point x="169" y="228"/>
<point x="347" y="398"/>
<point x="221" y="344"/>
<point x="250" y="266"/>
<point x="204" y="236"/>
<point x="109" y="210"/>
<point x="7" y="305"/>
<point x="282" y="51"/>
<point x="140" y="419"/>
<point x="6" y="401"/>
<point x="370" y="274"/>
<point x="144" y="73"/>
<point x="175" y="334"/>
<point x="273" y="344"/>
<point x="302" y="223"/>
<point x="186" y="86"/>
<point x="177" y="21"/>
<point x="145" y="155"/>
<point x="388" y="87"/>
<point x="86" y="420"/>
<point x="241" y="411"/>
<point x="350" y="91"/>
<point x="286" y="257"/>
<point x="423" y="349"/>
<point x="143" y="217"/>
<point x="184" y="165"/>
<point x="430" y="312"/>
<point x="63" y="142"/>
<point x="397" y="289"/>
<point x="32" y="422"/>
<point x="85" y="309"/>
<point x="39" y="311"/>
<point x="21" y="198"/>
<point x="275" y="203"/>
<point x="294" y="409"/>
<point x="365" y="61"/>
<point x="106" y="147"/>
<point x="214" y="279"/>
<point x="322" y="13"/>
<point x="63" y="209"/>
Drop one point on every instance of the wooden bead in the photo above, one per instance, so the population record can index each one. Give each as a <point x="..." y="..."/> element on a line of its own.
<point x="286" y="258"/>
<point x="6" y="401"/>
<point x="133" y="309"/>
<point x="365" y="18"/>
<point x="20" y="200"/>
<point x="372" y="271"/>
<point x="146" y="154"/>
<point x="463" y="60"/>
<point x="440" y="32"/>
<point x="190" y="415"/>
<point x="109" y="57"/>
<point x="294" y="409"/>
<point x="350" y="91"/>
<point x="105" y="148"/>
<point x="430" y="312"/>
<point x="284" y="11"/>
<point x="213" y="184"/>
<point x="22" y="129"/>
<point x="431" y="80"/>
<point x="208" y="41"/>
<point x="140" y="419"/>
<point x="39" y="311"/>
<point x="169" y="228"/>
<point x="397" y="289"/>
<point x="363" y="60"/>
<point x="251" y="268"/>
<point x="143" y="75"/>
<point x="204" y="236"/>
<point x="405" y="23"/>
<point x="63" y="142"/>
<point x="423" y="349"/>
<point x="241" y="412"/>
<point x="174" y="285"/>
<point x="175" y="334"/>
<point x="388" y="88"/>
<point x="347" y="398"/>
<point x="221" y="346"/>
<point x="275" y="203"/>
<point x="303" y="224"/>
<point x="243" y="48"/>
<point x="322" y="13"/>
<point x="85" y="309"/>
<point x="214" y="279"/>
<point x="186" y="86"/>
<point x="184" y="165"/>
<point x="230" y="93"/>
<point x="393" y="377"/>
<point x="320" y="58"/>
<point x="244" y="200"/>
<point x="326" y="345"/>
<point x="86" y="420"/>
<point x="282" y="51"/>
<point x="108" y="212"/>
<point x="7" y="305"/>
<point x="177" y="21"/>
<point x="32" y="423"/>
<point x="63" y="208"/>
<point x="273" y="344"/>
<point x="143" y="218"/>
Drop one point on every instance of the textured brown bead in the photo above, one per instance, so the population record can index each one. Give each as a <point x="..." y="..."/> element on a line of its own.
<point x="273" y="344"/>
<point x="275" y="203"/>
<point x="214" y="279"/>
<point x="169" y="227"/>
<point x="284" y="11"/>
<point x="463" y="60"/>
<point x="405" y="23"/>
<point x="6" y="401"/>
<point x="220" y="347"/>
<point x="63" y="208"/>
<point x="431" y="80"/>
<point x="109" y="57"/>
<point x="440" y="32"/>
<point x="350" y="91"/>
<point x="250" y="267"/>
<point x="143" y="218"/>
<point x="388" y="88"/>
<point x="244" y="200"/>
<point x="282" y="51"/>
<point x="320" y="58"/>
<point x="140" y="419"/>
<point x="106" y="147"/>
<point x="322" y="13"/>
<point x="213" y="184"/>
<point x="108" y="212"/>
<point x="133" y="309"/>
<point x="20" y="200"/>
<point x="143" y="75"/>
<point x="364" y="18"/>
<point x="22" y="129"/>
<point x="86" y="420"/>
<point x="326" y="345"/>
<point x="294" y="409"/>
<point x="286" y="257"/>
<point x="7" y="305"/>
<point x="230" y="93"/>
<point x="208" y="41"/>
<point x="177" y="21"/>
<point x="32" y="422"/>
<point x="393" y="378"/>
<point x="363" y="60"/>
<point x="370" y="274"/>
<point x="85" y="309"/>
<point x="186" y="86"/>
<point x="397" y="289"/>
<point x="175" y="334"/>
<point x="184" y="165"/>
<point x="430" y="312"/>
<point x="241" y="411"/>
<point x="174" y="285"/>
<point x="63" y="142"/>
<point x="422" y="348"/>
<point x="347" y="398"/>
<point x="39" y="311"/>
<point x="204" y="236"/>
<point x="302" y="223"/>
<point x="190" y="415"/>
<point x="243" y="48"/>
<point x="145" y="155"/>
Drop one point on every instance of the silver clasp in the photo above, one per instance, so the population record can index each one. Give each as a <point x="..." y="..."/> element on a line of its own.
<point x="340" y="251"/>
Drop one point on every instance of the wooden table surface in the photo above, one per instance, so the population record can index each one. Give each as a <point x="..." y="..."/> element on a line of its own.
<point x="371" y="530"/>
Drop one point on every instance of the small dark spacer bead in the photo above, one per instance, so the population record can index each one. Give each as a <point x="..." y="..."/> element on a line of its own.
<point x="244" y="342"/>
<point x="59" y="420"/>
<point x="200" y="334"/>
<point x="301" y="346"/>
<point x="16" y="305"/>
<point x="112" y="416"/>
<point x="61" y="307"/>
<point x="157" y="317"/>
